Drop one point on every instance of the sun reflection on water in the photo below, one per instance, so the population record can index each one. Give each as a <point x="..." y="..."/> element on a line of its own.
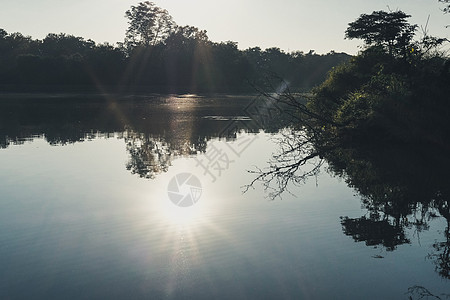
<point x="183" y="215"/>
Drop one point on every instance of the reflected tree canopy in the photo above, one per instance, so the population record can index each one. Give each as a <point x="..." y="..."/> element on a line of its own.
<point x="381" y="123"/>
<point x="156" y="129"/>
<point x="375" y="231"/>
<point x="150" y="155"/>
<point x="402" y="185"/>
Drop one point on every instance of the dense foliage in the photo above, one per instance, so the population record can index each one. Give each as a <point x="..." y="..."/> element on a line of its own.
<point x="382" y="98"/>
<point x="397" y="90"/>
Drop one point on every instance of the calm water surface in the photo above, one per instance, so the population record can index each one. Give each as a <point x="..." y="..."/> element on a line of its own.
<point x="86" y="209"/>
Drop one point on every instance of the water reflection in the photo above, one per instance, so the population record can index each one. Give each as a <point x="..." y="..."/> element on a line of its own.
<point x="402" y="187"/>
<point x="152" y="155"/>
<point x="156" y="129"/>
<point x="375" y="231"/>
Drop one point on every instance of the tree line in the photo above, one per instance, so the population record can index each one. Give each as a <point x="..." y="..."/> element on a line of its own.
<point x="156" y="55"/>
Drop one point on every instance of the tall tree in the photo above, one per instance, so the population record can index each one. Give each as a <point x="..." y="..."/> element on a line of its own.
<point x="148" y="25"/>
<point x="387" y="29"/>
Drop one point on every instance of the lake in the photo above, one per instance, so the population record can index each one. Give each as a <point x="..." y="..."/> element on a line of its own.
<point x="141" y="197"/>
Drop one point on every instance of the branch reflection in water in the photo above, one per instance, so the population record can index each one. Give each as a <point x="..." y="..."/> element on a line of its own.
<point x="402" y="185"/>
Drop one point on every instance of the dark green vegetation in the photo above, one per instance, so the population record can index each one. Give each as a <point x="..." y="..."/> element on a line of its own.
<point x="157" y="55"/>
<point x="387" y="132"/>
<point x="396" y="89"/>
<point x="381" y="121"/>
<point x="395" y="93"/>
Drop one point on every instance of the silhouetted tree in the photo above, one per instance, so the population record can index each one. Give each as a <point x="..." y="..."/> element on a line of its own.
<point x="54" y="45"/>
<point x="386" y="29"/>
<point x="369" y="120"/>
<point x="148" y="25"/>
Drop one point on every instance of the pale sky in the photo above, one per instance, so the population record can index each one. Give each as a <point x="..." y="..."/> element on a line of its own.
<point x="288" y="24"/>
